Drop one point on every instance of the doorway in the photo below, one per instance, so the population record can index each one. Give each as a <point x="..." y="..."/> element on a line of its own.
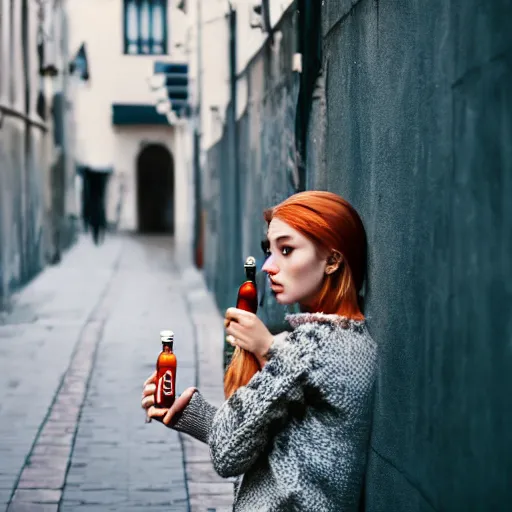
<point x="155" y="190"/>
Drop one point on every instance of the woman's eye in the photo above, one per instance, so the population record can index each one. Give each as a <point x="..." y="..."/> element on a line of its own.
<point x="286" y="250"/>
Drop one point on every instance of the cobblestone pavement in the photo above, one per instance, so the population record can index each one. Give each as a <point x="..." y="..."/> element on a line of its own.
<point x="74" y="350"/>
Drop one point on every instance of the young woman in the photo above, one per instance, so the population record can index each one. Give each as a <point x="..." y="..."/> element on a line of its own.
<point x="298" y="432"/>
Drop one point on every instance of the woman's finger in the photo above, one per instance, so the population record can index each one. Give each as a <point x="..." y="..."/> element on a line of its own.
<point x="156" y="412"/>
<point x="238" y="315"/>
<point x="232" y="340"/>
<point x="150" y="380"/>
<point x="179" y="405"/>
<point x="234" y="329"/>
<point x="236" y="342"/>
<point x="170" y="413"/>
<point x="231" y="314"/>
<point x="148" y="401"/>
<point x="237" y="331"/>
<point x="149" y="389"/>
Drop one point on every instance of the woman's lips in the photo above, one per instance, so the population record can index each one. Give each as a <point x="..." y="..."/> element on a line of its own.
<point x="276" y="288"/>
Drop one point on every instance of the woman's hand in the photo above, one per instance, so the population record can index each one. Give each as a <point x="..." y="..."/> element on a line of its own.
<point x="247" y="331"/>
<point x="163" y="414"/>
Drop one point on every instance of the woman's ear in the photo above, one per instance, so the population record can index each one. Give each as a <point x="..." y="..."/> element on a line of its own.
<point x="334" y="261"/>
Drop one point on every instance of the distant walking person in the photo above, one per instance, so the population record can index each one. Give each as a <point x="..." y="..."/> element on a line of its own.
<point x="94" y="196"/>
<point x="298" y="433"/>
<point x="85" y="198"/>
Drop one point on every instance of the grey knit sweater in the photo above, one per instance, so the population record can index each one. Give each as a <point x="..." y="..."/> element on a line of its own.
<point x="298" y="433"/>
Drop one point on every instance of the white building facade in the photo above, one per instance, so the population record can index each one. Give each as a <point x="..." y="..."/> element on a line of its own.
<point x="120" y="45"/>
<point x="215" y="53"/>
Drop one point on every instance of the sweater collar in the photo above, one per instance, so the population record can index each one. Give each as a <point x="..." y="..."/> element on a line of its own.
<point x="297" y="319"/>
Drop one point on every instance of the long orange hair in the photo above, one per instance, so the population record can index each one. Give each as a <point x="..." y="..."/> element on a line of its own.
<point x="332" y="224"/>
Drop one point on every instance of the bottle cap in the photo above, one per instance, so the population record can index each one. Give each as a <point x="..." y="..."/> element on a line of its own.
<point x="166" y="336"/>
<point x="250" y="261"/>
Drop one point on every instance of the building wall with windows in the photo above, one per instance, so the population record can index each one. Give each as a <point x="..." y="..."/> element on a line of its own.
<point x="122" y="41"/>
<point x="36" y="179"/>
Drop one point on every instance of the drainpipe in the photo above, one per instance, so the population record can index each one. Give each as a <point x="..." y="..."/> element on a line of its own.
<point x="234" y="174"/>
<point x="198" y="211"/>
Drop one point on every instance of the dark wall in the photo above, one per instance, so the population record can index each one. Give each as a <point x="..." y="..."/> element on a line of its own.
<point x="419" y="138"/>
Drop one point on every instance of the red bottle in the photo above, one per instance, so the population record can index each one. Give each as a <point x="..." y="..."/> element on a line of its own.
<point x="166" y="372"/>
<point x="247" y="293"/>
<point x="243" y="364"/>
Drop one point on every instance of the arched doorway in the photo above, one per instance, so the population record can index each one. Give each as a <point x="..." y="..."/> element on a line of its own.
<point x="155" y="190"/>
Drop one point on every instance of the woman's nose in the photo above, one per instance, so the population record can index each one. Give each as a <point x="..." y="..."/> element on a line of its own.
<point x="269" y="266"/>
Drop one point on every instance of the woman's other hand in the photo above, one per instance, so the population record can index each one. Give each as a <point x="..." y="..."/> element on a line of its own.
<point x="247" y="331"/>
<point x="163" y="414"/>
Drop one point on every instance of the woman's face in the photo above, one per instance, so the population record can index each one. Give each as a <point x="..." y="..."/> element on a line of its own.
<point x="295" y="267"/>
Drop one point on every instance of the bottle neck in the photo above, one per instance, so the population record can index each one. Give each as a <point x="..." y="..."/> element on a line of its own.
<point x="250" y="273"/>
<point x="167" y="346"/>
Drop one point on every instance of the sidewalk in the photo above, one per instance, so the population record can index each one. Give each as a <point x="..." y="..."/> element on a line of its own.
<point x="81" y="339"/>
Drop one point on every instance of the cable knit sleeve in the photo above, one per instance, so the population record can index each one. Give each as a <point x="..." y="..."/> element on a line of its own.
<point x="196" y="419"/>
<point x="244" y="424"/>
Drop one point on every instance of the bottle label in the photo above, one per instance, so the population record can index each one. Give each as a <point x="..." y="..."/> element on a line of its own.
<point x="164" y="386"/>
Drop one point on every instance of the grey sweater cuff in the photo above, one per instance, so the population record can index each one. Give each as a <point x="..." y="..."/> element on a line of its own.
<point x="196" y="419"/>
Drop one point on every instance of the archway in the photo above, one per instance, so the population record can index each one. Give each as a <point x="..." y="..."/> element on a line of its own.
<point x="155" y="190"/>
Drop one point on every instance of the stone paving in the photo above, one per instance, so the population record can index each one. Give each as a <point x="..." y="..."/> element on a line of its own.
<point x="74" y="351"/>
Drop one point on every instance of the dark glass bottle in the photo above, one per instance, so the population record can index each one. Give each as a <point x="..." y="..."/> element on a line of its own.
<point x="166" y="372"/>
<point x="247" y="293"/>
<point x="243" y="364"/>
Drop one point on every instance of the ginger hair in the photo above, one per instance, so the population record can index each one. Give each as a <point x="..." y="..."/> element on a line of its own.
<point x="332" y="224"/>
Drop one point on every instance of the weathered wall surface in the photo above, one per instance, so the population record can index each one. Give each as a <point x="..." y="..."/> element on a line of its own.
<point x="37" y="211"/>
<point x="36" y="223"/>
<point x="21" y="212"/>
<point x="266" y="163"/>
<point x="418" y="138"/>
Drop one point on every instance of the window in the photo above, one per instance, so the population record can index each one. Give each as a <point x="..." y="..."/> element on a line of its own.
<point x="145" y="27"/>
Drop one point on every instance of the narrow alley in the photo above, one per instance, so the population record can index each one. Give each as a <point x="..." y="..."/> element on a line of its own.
<point x="75" y="349"/>
<point x="176" y="130"/>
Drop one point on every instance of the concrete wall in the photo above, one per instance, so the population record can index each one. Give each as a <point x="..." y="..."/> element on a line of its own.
<point x="418" y="138"/>
<point x="36" y="191"/>
<point x="266" y="166"/>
